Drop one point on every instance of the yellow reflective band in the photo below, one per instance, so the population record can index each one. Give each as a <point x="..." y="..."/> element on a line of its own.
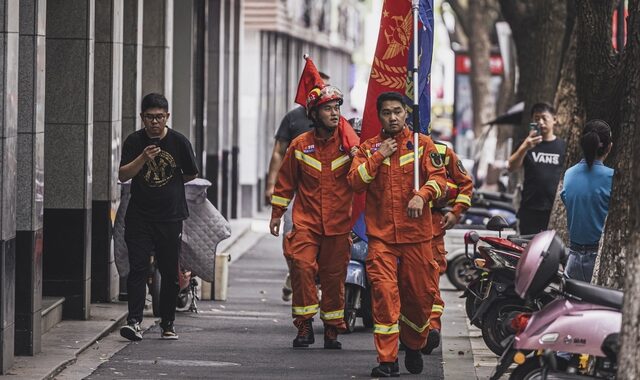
<point x="304" y="310"/>
<point x="338" y="314"/>
<point x="364" y="175"/>
<point x="452" y="185"/>
<point x="339" y="162"/>
<point x="434" y="184"/>
<point x="461" y="198"/>
<point x="309" y="160"/>
<point x="386" y="330"/>
<point x="386" y="161"/>
<point x="408" y="158"/>
<point x="369" y="153"/>
<point x="280" y="201"/>
<point x="442" y="148"/>
<point x="413" y="325"/>
<point x="437" y="309"/>
<point x="446" y="161"/>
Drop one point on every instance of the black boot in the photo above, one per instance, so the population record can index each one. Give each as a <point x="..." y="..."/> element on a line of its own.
<point x="331" y="338"/>
<point x="305" y="333"/>
<point x="413" y="361"/>
<point x="433" y="341"/>
<point x="391" y="369"/>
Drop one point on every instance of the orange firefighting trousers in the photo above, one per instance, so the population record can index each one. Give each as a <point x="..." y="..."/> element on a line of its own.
<point x="402" y="294"/>
<point x="311" y="255"/>
<point x="439" y="255"/>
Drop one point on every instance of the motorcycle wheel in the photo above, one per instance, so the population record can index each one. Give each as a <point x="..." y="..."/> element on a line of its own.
<point x="531" y="369"/>
<point x="496" y="323"/>
<point x="460" y="272"/>
<point x="351" y="298"/>
<point x="470" y="308"/>
<point x="367" y="311"/>
<point x="183" y="298"/>
<point x="154" y="289"/>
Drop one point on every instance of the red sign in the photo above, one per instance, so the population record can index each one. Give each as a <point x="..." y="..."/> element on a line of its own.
<point x="463" y="64"/>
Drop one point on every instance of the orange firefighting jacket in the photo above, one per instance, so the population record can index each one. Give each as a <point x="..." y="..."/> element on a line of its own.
<point x="389" y="186"/>
<point x="316" y="171"/>
<point x="459" y="183"/>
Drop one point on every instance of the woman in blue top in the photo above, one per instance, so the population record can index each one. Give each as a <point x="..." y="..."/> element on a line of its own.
<point x="586" y="192"/>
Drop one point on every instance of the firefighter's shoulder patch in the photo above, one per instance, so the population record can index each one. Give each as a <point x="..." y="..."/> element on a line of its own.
<point x="461" y="167"/>
<point x="436" y="159"/>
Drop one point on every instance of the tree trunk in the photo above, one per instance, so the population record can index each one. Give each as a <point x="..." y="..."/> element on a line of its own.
<point x="536" y="26"/>
<point x="628" y="365"/>
<point x="481" y="22"/>
<point x="570" y="115"/>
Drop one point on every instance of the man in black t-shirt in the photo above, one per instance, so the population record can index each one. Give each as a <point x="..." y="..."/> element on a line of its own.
<point x="159" y="161"/>
<point x="293" y="124"/>
<point x="542" y="156"/>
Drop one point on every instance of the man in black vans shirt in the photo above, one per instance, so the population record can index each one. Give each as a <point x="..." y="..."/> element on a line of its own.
<point x="159" y="161"/>
<point x="542" y="156"/>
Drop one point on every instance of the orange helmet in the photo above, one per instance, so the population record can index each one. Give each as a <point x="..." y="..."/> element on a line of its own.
<point x="322" y="95"/>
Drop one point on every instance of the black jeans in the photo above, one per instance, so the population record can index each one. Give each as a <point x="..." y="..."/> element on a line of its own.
<point x="533" y="221"/>
<point x="164" y="240"/>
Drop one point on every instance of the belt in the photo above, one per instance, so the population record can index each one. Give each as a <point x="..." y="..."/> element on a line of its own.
<point x="581" y="247"/>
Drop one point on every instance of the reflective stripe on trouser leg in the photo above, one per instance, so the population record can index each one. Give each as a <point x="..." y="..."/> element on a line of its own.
<point x="382" y="264"/>
<point x="301" y="248"/>
<point x="416" y="274"/>
<point x="439" y="255"/>
<point x="333" y="261"/>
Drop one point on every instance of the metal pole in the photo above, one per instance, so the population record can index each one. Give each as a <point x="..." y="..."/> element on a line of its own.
<point x="415" y="6"/>
<point x="620" y="26"/>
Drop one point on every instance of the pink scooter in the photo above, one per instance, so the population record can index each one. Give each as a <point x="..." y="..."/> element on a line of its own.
<point x="575" y="336"/>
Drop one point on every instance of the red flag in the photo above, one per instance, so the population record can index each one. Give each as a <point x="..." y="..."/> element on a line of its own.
<point x="311" y="79"/>
<point x="388" y="70"/>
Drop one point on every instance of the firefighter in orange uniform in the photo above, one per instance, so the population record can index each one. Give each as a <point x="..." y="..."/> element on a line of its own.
<point x="400" y="263"/>
<point x="458" y="197"/>
<point x="315" y="169"/>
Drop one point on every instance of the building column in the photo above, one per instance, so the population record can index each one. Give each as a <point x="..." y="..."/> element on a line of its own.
<point x="157" y="35"/>
<point x="9" y="37"/>
<point x="131" y="66"/>
<point x="30" y="177"/>
<point x="107" y="127"/>
<point x="68" y="152"/>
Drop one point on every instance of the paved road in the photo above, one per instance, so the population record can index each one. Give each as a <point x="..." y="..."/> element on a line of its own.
<point x="248" y="337"/>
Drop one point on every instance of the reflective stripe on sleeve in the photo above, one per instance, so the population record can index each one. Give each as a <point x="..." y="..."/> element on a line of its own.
<point x="364" y="174"/>
<point x="435" y="186"/>
<point x="461" y="198"/>
<point x="305" y="158"/>
<point x="305" y="310"/>
<point x="439" y="309"/>
<point x="386" y="329"/>
<point x="413" y="325"/>
<point x="329" y="315"/>
<point x="280" y="201"/>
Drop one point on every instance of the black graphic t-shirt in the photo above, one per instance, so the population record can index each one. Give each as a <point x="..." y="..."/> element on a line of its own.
<point x="157" y="191"/>
<point x="294" y="123"/>
<point x="543" y="167"/>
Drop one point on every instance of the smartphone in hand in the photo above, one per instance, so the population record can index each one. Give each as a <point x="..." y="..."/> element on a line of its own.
<point x="534" y="127"/>
<point x="154" y="141"/>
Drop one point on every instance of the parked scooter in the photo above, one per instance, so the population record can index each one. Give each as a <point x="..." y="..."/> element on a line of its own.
<point x="583" y="320"/>
<point x="491" y="299"/>
<point x="357" y="293"/>
<point x="188" y="289"/>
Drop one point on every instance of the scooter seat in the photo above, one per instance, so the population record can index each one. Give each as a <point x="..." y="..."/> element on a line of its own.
<point x="594" y="294"/>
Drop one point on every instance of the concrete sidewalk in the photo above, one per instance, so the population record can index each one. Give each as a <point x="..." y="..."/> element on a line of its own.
<point x="74" y="349"/>
<point x="64" y="344"/>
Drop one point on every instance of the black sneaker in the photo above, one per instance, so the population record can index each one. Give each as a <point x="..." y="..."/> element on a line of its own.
<point x="167" y="331"/>
<point x="131" y="331"/>
<point x="433" y="341"/>
<point x="413" y="361"/>
<point x="305" y="335"/>
<point x="390" y="369"/>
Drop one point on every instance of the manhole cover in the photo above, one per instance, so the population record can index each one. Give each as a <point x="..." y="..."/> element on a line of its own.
<point x="184" y="363"/>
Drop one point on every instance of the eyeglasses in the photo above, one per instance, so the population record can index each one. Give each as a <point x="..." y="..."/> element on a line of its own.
<point x="159" y="117"/>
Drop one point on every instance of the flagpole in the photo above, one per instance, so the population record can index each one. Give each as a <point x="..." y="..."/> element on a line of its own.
<point x="415" y="6"/>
